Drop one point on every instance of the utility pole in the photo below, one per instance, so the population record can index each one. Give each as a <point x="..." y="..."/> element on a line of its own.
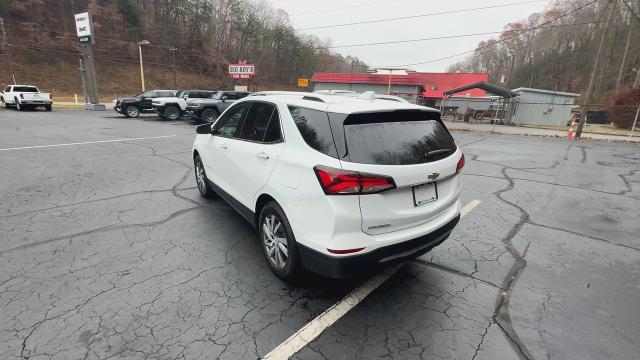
<point x="594" y="71"/>
<point x="624" y="59"/>
<point x="173" y="51"/>
<point x="4" y="46"/>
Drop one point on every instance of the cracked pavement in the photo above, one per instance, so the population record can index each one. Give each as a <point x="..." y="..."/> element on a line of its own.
<point x="108" y="251"/>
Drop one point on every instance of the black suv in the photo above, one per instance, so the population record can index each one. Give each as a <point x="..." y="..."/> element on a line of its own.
<point x="207" y="110"/>
<point x="133" y="106"/>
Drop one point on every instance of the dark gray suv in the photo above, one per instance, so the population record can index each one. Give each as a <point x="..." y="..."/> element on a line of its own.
<point x="207" y="110"/>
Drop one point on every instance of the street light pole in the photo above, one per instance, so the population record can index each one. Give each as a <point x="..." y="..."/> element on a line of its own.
<point x="140" y="45"/>
<point x="512" y="56"/>
<point x="173" y="51"/>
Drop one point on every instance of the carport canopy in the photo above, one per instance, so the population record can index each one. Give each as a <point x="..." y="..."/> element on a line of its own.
<point x="488" y="87"/>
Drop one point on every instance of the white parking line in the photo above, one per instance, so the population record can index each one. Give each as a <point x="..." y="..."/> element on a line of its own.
<point x="317" y="326"/>
<point x="87" y="142"/>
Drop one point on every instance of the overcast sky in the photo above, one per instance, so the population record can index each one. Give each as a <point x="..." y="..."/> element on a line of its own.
<point x="308" y="13"/>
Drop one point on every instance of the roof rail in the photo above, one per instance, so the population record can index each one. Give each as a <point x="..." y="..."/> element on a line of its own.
<point x="303" y="95"/>
<point x="312" y="98"/>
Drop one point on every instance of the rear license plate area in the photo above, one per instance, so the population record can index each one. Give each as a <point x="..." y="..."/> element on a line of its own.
<point x="425" y="193"/>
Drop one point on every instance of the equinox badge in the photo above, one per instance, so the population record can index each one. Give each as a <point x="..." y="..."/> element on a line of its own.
<point x="433" y="175"/>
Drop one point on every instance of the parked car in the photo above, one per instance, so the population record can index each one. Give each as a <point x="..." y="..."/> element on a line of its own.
<point x="207" y="110"/>
<point x="282" y="162"/>
<point x="25" y="97"/>
<point x="132" y="107"/>
<point x="171" y="108"/>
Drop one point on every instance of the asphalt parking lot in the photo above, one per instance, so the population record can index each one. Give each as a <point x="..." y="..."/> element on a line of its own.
<point x="108" y="251"/>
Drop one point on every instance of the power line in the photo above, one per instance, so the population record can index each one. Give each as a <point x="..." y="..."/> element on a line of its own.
<point x="501" y="40"/>
<point x="101" y="57"/>
<point x="631" y="10"/>
<point x="420" y="16"/>
<point x="454" y="36"/>
<point x="344" y="7"/>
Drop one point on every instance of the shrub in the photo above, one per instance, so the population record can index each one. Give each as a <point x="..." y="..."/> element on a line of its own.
<point x="624" y="107"/>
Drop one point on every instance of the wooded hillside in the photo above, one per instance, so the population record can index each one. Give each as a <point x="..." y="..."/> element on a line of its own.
<point x="560" y="51"/>
<point x="208" y="34"/>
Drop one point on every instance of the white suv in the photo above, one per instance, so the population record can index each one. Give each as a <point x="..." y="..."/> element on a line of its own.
<point x="337" y="185"/>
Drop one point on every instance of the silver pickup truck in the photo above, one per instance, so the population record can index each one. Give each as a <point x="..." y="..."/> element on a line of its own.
<point x="24" y="97"/>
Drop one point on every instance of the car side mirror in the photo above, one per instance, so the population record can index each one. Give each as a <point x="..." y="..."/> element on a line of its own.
<point x="204" y="129"/>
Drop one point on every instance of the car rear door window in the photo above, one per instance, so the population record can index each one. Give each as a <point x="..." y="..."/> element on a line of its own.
<point x="228" y="124"/>
<point x="314" y="128"/>
<point x="273" y="130"/>
<point x="397" y="138"/>
<point x="257" y="121"/>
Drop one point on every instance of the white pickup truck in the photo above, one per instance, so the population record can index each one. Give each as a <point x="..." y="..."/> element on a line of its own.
<point x="25" y="97"/>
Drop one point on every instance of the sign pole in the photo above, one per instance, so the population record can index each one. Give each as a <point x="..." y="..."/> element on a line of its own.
<point x="84" y="82"/>
<point x="84" y="29"/>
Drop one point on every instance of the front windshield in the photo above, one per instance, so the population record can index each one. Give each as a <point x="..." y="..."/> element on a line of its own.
<point x="181" y="93"/>
<point x="217" y="95"/>
<point x="143" y="94"/>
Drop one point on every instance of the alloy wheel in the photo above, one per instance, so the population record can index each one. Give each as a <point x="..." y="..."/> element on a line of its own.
<point x="200" y="177"/>
<point x="172" y="114"/>
<point x="132" y="111"/>
<point x="275" y="241"/>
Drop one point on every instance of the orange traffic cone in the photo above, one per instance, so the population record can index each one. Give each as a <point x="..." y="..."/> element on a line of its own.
<point x="570" y="132"/>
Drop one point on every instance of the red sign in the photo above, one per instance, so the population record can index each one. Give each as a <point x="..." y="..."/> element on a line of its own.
<point x="242" y="70"/>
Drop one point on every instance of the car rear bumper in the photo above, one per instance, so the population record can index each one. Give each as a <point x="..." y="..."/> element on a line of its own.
<point x="36" y="102"/>
<point x="347" y="266"/>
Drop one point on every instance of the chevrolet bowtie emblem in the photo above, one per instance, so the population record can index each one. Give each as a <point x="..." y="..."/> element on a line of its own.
<point x="433" y="176"/>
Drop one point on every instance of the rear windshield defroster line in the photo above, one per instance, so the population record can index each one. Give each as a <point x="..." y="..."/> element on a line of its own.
<point x="397" y="138"/>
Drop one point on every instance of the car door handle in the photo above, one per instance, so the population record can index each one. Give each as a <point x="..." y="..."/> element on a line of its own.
<point x="262" y="155"/>
<point x="224" y="146"/>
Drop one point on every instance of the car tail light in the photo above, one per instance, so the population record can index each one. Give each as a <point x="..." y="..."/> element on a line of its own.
<point x="346" y="182"/>
<point x="460" y="164"/>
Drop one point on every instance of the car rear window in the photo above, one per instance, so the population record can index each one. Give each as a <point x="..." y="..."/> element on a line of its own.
<point x="397" y="138"/>
<point x="314" y="128"/>
<point x="26" y="89"/>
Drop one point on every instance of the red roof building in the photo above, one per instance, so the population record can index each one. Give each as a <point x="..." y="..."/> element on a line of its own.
<point x="427" y="85"/>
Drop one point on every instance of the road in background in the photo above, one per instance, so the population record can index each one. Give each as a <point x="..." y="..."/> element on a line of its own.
<point x="107" y="250"/>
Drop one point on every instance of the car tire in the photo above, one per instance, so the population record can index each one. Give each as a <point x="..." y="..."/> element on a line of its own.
<point x="171" y="113"/>
<point x="209" y="115"/>
<point x="19" y="106"/>
<point x="47" y="107"/>
<point x="278" y="242"/>
<point x="131" y="111"/>
<point x="201" y="179"/>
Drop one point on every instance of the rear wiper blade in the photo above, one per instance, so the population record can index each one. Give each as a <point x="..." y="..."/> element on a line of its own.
<point x="431" y="153"/>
